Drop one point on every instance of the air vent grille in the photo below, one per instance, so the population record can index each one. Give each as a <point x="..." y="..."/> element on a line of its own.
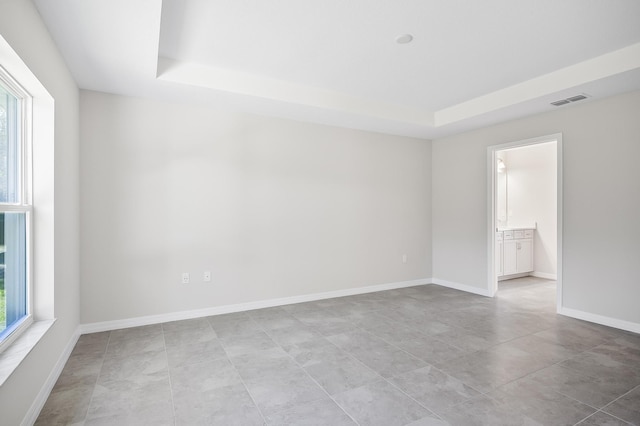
<point x="575" y="98"/>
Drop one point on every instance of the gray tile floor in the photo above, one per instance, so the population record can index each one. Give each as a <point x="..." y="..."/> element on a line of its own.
<point x="424" y="355"/>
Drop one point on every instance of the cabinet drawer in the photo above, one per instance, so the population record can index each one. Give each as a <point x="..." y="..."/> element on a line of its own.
<point x="508" y="235"/>
<point x="518" y="234"/>
<point x="528" y="233"/>
<point x="498" y="236"/>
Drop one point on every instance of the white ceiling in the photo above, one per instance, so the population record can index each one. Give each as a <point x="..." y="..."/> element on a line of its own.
<point x="472" y="63"/>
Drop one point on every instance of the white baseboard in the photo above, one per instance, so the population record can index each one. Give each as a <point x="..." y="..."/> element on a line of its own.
<point x="601" y="319"/>
<point x="463" y="287"/>
<point x="32" y="415"/>
<point x="240" y="307"/>
<point x="544" y="275"/>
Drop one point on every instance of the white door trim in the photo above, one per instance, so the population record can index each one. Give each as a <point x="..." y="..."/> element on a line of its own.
<point x="492" y="281"/>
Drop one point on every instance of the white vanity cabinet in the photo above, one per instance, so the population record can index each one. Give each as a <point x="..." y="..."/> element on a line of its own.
<point x="516" y="246"/>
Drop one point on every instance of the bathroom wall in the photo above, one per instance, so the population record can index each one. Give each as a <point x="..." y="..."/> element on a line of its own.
<point x="532" y="199"/>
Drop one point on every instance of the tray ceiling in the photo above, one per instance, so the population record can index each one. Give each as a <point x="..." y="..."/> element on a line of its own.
<point x="469" y="64"/>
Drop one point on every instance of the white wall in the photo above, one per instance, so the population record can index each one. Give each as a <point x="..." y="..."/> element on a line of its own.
<point x="274" y="208"/>
<point x="22" y="28"/>
<point x="532" y="198"/>
<point x="601" y="203"/>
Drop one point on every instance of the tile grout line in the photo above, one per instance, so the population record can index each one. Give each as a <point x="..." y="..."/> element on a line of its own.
<point x="380" y="377"/>
<point x="621" y="396"/>
<point x="93" y="390"/>
<point x="409" y="354"/>
<point x="614" y="416"/>
<point x="415" y="357"/>
<point x="227" y="358"/>
<point x="166" y="354"/>
<point x="246" y="388"/>
<point x="323" y="389"/>
<point x="429" y="364"/>
<point x="486" y="393"/>
<point x="244" y="384"/>
<point x="309" y="376"/>
<point x="415" y="400"/>
<point x="419" y="359"/>
<point x="606" y="414"/>
<point x="535" y="371"/>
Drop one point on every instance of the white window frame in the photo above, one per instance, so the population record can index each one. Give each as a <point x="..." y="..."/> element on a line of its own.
<point x="25" y="202"/>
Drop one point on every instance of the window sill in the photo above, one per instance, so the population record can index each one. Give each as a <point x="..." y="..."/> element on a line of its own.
<point x="18" y="350"/>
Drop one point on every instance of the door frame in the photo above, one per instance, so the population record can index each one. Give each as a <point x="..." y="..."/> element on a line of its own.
<point x="492" y="279"/>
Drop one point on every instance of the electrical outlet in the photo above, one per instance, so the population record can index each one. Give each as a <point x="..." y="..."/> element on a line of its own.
<point x="185" y="278"/>
<point x="206" y="277"/>
<point x="404" y="258"/>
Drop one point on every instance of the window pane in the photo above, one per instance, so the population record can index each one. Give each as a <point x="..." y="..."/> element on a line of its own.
<point x="9" y="147"/>
<point x="13" y="270"/>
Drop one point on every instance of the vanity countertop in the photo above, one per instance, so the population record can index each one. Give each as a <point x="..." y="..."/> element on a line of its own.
<point x="515" y="228"/>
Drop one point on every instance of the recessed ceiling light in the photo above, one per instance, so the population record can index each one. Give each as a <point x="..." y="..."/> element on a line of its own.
<point x="404" y="39"/>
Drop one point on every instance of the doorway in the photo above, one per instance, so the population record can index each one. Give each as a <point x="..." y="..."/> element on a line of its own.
<point x="524" y="180"/>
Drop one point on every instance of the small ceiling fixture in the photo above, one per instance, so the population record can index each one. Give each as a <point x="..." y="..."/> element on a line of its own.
<point x="404" y="39"/>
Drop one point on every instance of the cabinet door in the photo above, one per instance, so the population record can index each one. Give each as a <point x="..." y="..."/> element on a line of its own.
<point x="509" y="257"/>
<point x="499" y="271"/>
<point x="524" y="256"/>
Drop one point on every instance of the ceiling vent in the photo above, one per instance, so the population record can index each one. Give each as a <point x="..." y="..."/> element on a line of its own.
<point x="575" y="98"/>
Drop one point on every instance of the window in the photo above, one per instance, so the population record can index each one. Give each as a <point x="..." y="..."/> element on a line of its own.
<point x="15" y="208"/>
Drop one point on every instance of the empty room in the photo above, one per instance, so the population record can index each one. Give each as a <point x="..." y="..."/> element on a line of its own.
<point x="319" y="213"/>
